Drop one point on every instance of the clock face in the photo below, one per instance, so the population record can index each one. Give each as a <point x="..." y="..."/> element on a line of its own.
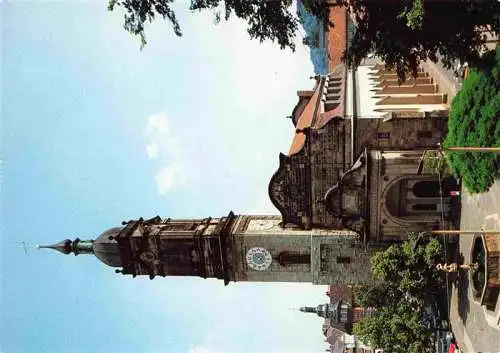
<point x="259" y="258"/>
<point x="260" y="224"/>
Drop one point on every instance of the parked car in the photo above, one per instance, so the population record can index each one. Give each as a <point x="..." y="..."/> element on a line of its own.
<point x="453" y="348"/>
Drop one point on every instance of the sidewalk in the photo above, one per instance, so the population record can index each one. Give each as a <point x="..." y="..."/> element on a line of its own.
<point x="476" y="329"/>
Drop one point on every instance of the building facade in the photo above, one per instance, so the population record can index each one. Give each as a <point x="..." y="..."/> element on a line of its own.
<point x="337" y="327"/>
<point x="355" y="160"/>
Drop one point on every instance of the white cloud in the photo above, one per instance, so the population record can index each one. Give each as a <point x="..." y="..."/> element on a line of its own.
<point x="169" y="177"/>
<point x="163" y="146"/>
<point x="158" y="123"/>
<point x="153" y="150"/>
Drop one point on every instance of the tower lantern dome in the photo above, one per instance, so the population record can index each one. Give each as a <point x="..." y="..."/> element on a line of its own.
<point x="105" y="247"/>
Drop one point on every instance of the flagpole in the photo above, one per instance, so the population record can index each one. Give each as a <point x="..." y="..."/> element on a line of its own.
<point x="472" y="149"/>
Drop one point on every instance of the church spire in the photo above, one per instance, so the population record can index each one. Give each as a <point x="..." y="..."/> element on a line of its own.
<point x="63" y="246"/>
<point x="105" y="247"/>
<point x="323" y="310"/>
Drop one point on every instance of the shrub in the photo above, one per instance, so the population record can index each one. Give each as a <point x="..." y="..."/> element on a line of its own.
<point x="409" y="278"/>
<point x="475" y="121"/>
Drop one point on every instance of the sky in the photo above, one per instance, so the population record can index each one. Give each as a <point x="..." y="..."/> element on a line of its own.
<point x="96" y="131"/>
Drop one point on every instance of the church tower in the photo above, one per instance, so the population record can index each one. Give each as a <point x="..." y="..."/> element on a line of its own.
<point x="340" y="314"/>
<point x="231" y="248"/>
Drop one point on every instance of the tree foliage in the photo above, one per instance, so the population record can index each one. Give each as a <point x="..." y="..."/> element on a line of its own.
<point x="407" y="278"/>
<point x="376" y="296"/>
<point x="414" y="15"/>
<point x="405" y="33"/>
<point x="402" y="33"/>
<point x="271" y="20"/>
<point x="475" y="121"/>
<point x="407" y="267"/>
<point x="138" y="13"/>
<point x="395" y="329"/>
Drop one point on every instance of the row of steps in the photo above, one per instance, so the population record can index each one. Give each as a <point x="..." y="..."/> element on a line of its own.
<point x="435" y="98"/>
<point x="331" y="93"/>
<point x="408" y="89"/>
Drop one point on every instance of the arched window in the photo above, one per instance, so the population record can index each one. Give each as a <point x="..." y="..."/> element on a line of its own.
<point x="426" y="188"/>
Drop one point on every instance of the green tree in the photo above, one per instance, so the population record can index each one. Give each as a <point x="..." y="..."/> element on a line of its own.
<point x="407" y="277"/>
<point x="414" y="15"/>
<point x="396" y="329"/>
<point x="405" y="33"/>
<point x="474" y="121"/>
<point x="402" y="33"/>
<point x="376" y="296"/>
<point x="409" y="266"/>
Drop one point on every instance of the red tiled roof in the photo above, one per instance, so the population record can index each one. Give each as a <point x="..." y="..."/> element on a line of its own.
<point x="305" y="120"/>
<point x="340" y="292"/>
<point x="336" y="44"/>
<point x="336" y="39"/>
<point x="333" y="335"/>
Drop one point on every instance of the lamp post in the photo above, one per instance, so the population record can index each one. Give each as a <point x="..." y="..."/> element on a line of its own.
<point x="464" y="232"/>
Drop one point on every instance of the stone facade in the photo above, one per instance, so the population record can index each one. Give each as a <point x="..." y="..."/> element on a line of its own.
<point x="340" y="259"/>
<point x="363" y="173"/>
<point x="314" y="255"/>
<point x="397" y="205"/>
<point x="166" y="247"/>
<point x="394" y="134"/>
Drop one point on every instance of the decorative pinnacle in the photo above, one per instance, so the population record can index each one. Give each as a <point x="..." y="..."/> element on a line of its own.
<point x="307" y="309"/>
<point x="63" y="247"/>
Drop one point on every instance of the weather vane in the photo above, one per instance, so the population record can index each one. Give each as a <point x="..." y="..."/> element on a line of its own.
<point x="27" y="247"/>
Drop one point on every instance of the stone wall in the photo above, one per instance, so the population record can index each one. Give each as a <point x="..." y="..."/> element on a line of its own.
<point x="341" y="259"/>
<point x="330" y="157"/>
<point x="289" y="188"/>
<point x="399" y="133"/>
<point x="275" y="244"/>
<point x="324" y="247"/>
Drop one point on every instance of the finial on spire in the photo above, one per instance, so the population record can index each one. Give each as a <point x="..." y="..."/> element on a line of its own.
<point x="307" y="309"/>
<point x="105" y="247"/>
<point x="63" y="247"/>
<point x="67" y="246"/>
